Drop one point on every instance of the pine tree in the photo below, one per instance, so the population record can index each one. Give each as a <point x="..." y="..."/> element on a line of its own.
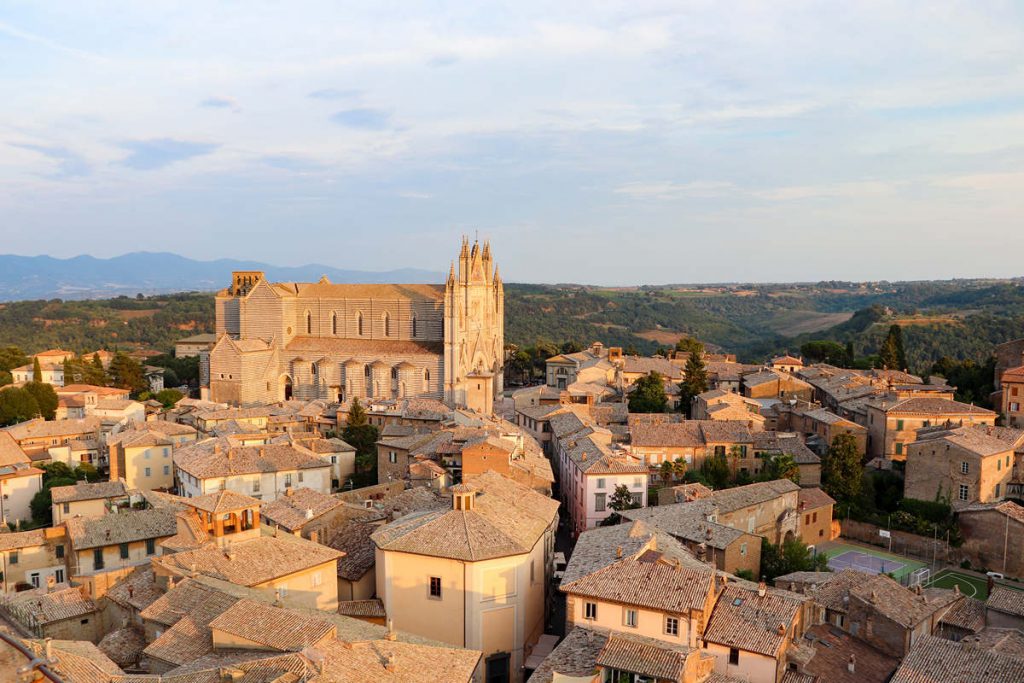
<point x="695" y="381"/>
<point x="37" y="370"/>
<point x="357" y="414"/>
<point x="841" y="470"/>
<point x="892" y="354"/>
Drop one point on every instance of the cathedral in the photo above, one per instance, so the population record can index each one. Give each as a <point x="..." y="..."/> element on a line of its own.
<point x="283" y="340"/>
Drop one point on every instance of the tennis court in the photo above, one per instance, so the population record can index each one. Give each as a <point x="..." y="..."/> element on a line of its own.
<point x="869" y="561"/>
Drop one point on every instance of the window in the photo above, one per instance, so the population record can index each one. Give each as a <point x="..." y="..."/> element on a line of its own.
<point x="629" y="617"/>
<point x="435" y="587"/>
<point x="167" y="469"/>
<point x="963" y="491"/>
<point x="814" y="517"/>
<point x="300" y="477"/>
<point x="997" y="490"/>
<point x="590" y="610"/>
<point x="316" y="579"/>
<point x="59" y="552"/>
<point x="150" y="546"/>
<point x="600" y="484"/>
<point x="334" y="460"/>
<point x="899" y="449"/>
<point x="899" y="425"/>
<point x="149" y="471"/>
<point x="359" y="324"/>
<point x="313" y="371"/>
<point x="288" y="480"/>
<point x="426" y="376"/>
<point x="638" y="482"/>
<point x="256" y="486"/>
<point x="392" y="457"/>
<point x="734" y="656"/>
<point x="13" y="557"/>
<point x="743" y="548"/>
<point x="67" y="508"/>
<point x="97" y="558"/>
<point x="146" y="455"/>
<point x="334" y="323"/>
<point x="124" y="551"/>
<point x="671" y="626"/>
<point x="964" y="467"/>
<point x="309" y="323"/>
<point x="387" y="325"/>
<point x="600" y="502"/>
<point x="283" y="589"/>
<point x="58" y="576"/>
<point x="999" y="465"/>
<point x="33" y="578"/>
<point x="414" y="330"/>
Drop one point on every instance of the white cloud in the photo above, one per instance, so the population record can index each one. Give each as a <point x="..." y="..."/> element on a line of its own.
<point x="667" y="190"/>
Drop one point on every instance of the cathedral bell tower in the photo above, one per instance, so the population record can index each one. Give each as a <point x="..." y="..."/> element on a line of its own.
<point x="474" y="330"/>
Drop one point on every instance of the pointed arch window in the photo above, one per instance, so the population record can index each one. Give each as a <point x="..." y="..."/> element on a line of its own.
<point x="359" y="324"/>
<point x="334" y="323"/>
<point x="313" y="371"/>
<point x="426" y="376"/>
<point x="387" y="325"/>
<point x="414" y="321"/>
<point x="309" y="323"/>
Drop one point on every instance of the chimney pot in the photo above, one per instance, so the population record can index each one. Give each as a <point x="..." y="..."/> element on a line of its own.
<point x="762" y="588"/>
<point x="852" y="665"/>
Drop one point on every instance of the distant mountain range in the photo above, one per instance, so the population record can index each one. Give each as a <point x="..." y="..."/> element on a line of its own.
<point x="87" y="277"/>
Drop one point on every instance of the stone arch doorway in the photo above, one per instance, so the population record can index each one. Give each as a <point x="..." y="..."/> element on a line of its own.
<point x="287" y="389"/>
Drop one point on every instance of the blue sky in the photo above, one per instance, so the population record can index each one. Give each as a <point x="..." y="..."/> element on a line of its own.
<point x="605" y="142"/>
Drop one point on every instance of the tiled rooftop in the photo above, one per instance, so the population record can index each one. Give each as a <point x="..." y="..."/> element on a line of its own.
<point x="745" y="620"/>
<point x="933" y="660"/>
<point x="272" y="627"/>
<point x="252" y="562"/>
<point x="88" y="491"/>
<point x="123" y="527"/>
<point x="506" y="518"/>
<point x="289" y="511"/>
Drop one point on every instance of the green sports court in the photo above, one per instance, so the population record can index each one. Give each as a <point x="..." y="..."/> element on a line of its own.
<point x="869" y="560"/>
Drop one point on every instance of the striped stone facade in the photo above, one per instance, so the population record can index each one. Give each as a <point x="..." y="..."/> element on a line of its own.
<point x="337" y="342"/>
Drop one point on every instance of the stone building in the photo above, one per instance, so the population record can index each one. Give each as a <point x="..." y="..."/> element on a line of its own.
<point x="964" y="465"/>
<point x="372" y="341"/>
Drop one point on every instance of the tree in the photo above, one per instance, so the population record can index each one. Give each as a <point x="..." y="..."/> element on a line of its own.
<point x="780" y="466"/>
<point x="17" y="405"/>
<point x="825" y="351"/>
<point x="126" y="373"/>
<point x="12" y="357"/>
<point x="695" y="381"/>
<point x="667" y="472"/>
<point x="362" y="436"/>
<point x="356" y="414"/>
<point x="45" y="397"/>
<point x="648" y="395"/>
<point x="622" y="499"/>
<point x="792" y="555"/>
<point x="715" y="471"/>
<point x="87" y="471"/>
<point x="891" y="353"/>
<point x="168" y="397"/>
<point x="6" y="378"/>
<point x="37" y="370"/>
<point x="691" y="345"/>
<point x="841" y="470"/>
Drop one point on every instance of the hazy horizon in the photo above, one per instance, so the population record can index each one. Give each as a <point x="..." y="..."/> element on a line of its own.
<point x="618" y="143"/>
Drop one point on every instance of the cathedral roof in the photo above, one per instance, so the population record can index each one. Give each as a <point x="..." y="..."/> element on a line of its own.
<point x="357" y="347"/>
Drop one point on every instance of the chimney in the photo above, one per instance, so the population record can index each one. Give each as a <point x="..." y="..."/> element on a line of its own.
<point x="762" y="588"/>
<point x="851" y="666"/>
<point x="782" y="629"/>
<point x="49" y="650"/>
<point x="390" y="634"/>
<point x="309" y="513"/>
<point x="618" y="552"/>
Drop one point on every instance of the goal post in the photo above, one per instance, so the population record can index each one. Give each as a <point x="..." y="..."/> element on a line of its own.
<point x="920" y="577"/>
